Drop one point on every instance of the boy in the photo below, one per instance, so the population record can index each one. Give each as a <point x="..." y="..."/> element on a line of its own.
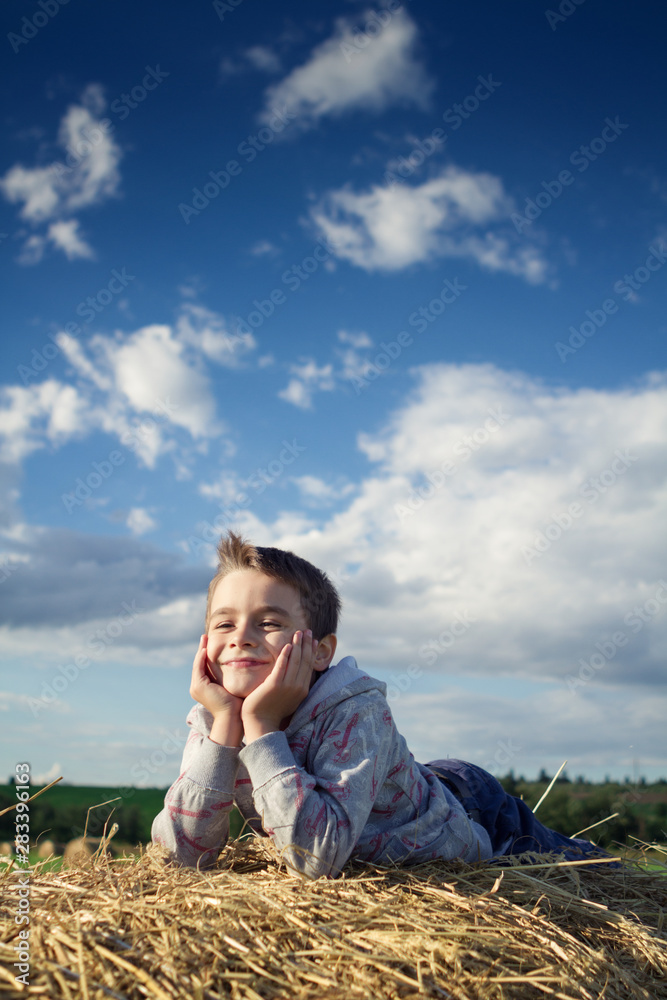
<point x="309" y="752"/>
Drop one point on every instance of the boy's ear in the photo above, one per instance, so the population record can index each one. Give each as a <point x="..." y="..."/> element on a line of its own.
<point x="325" y="652"/>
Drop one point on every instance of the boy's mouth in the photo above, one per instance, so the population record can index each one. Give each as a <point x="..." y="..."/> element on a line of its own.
<point x="244" y="662"/>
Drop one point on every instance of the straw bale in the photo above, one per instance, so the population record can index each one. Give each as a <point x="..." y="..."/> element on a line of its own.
<point x="138" y="927"/>
<point x="83" y="848"/>
<point x="50" y="848"/>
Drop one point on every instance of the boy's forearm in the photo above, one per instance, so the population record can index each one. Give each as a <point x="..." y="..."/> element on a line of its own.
<point x="191" y="840"/>
<point x="226" y="732"/>
<point x="194" y="823"/>
<point x="254" y="728"/>
<point x="314" y="817"/>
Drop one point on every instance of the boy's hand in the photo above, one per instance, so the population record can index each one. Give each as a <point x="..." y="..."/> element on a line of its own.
<point x="223" y="706"/>
<point x="283" y="690"/>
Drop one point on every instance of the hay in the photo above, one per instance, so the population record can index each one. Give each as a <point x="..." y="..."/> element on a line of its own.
<point x="135" y="928"/>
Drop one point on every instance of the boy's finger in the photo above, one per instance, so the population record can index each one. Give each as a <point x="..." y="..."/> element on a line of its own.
<point x="307" y="650"/>
<point x="282" y="661"/>
<point x="199" y="664"/>
<point x="299" y="657"/>
<point x="303" y="670"/>
<point x="207" y="669"/>
<point x="198" y="653"/>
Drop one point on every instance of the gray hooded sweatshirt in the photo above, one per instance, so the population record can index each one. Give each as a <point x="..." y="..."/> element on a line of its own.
<point x="338" y="783"/>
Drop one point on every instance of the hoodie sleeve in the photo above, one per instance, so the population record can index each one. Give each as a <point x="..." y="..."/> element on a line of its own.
<point x="315" y="817"/>
<point x="194" y="824"/>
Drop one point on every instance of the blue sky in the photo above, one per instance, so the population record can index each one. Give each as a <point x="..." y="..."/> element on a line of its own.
<point x="383" y="285"/>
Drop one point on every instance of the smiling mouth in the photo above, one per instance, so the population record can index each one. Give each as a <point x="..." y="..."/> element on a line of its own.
<point x="243" y="662"/>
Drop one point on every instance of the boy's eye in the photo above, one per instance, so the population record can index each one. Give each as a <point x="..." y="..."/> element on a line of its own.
<point x="266" y="623"/>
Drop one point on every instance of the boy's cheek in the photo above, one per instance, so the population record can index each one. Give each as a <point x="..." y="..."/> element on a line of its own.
<point x="278" y="647"/>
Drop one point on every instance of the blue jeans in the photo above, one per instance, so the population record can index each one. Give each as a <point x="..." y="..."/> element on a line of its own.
<point x="511" y="825"/>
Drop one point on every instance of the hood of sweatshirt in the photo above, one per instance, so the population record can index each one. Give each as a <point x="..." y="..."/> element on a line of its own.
<point x="339" y="682"/>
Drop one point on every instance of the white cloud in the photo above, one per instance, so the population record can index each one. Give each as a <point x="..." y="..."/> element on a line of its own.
<point x="528" y="731"/>
<point x="139" y="521"/>
<point x="307" y="379"/>
<point x="87" y="175"/>
<point x="141" y="387"/>
<point x="31" y="416"/>
<point x="92" y="97"/>
<point x="263" y="58"/>
<point x="353" y="364"/>
<point x="82" y="364"/>
<point x="392" y="227"/>
<point x="36" y="188"/>
<point x="264" y="248"/>
<point x="341" y="76"/>
<point x="257" y="57"/>
<point x="521" y="454"/>
<point x="359" y="339"/>
<point x="208" y="332"/>
<point x="496" y="252"/>
<point x="65" y="236"/>
<point x="313" y="486"/>
<point x="409" y="562"/>
<point x="316" y="490"/>
<point x="225" y="489"/>
<point x="151" y="367"/>
<point x="191" y="288"/>
<point x="32" y="250"/>
<point x="93" y="177"/>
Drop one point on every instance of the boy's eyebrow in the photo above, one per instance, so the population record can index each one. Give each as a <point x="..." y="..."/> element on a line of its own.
<point x="265" y="609"/>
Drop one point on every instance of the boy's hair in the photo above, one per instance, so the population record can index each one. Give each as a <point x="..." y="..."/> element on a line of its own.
<point x="319" y="597"/>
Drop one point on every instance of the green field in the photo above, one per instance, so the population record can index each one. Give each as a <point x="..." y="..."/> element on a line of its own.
<point x="60" y="814"/>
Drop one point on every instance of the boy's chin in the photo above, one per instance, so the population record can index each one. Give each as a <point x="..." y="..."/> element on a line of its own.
<point x="238" y="689"/>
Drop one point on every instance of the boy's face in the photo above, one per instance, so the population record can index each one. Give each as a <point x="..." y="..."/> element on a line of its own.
<point x="252" y="617"/>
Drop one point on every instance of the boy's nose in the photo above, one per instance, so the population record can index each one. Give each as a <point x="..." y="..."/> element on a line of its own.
<point x="243" y="636"/>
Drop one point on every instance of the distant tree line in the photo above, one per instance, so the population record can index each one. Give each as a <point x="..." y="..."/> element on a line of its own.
<point x="571" y="807"/>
